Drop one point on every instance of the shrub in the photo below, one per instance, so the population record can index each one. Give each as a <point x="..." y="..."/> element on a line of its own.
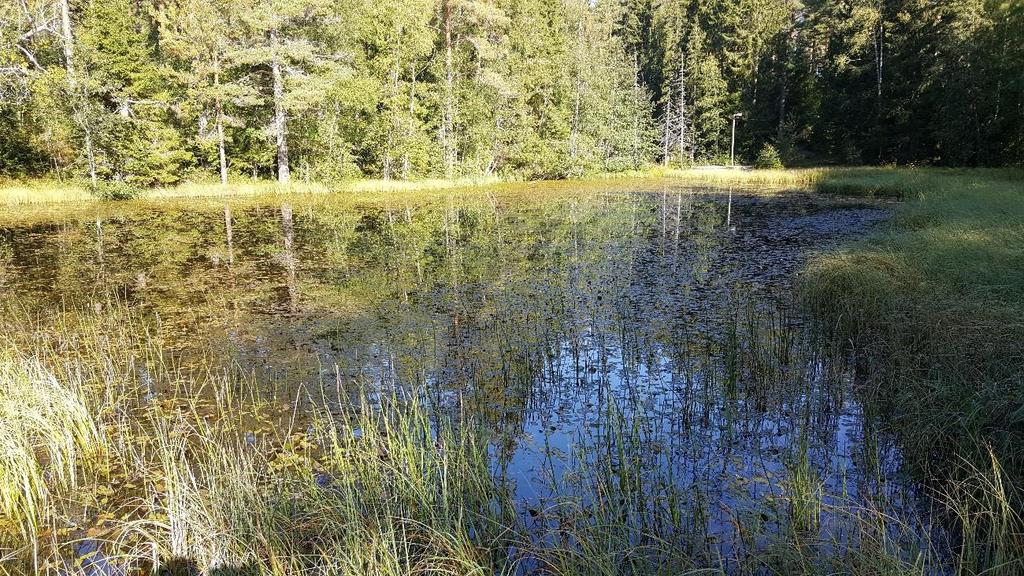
<point x="768" y="158"/>
<point x="114" y="190"/>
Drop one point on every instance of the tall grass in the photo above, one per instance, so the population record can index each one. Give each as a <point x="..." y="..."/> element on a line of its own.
<point x="886" y="182"/>
<point x="792" y="178"/>
<point x="934" y="305"/>
<point x="175" y="480"/>
<point x="113" y="456"/>
<point x="50" y="438"/>
<point x="933" y="308"/>
<point x="16" y="192"/>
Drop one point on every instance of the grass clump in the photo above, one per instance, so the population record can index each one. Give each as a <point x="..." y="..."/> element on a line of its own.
<point x="112" y="456"/>
<point x="933" y="307"/>
<point x="377" y="490"/>
<point x="49" y="438"/>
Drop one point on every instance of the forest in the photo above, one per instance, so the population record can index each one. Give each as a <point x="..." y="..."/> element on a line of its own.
<point x="154" y="92"/>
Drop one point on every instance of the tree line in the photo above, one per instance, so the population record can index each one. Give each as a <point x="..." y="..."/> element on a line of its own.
<point x="149" y="92"/>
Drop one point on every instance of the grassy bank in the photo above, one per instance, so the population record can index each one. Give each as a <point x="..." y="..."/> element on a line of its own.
<point x="14" y="193"/>
<point x="876" y="181"/>
<point x="934" y="308"/>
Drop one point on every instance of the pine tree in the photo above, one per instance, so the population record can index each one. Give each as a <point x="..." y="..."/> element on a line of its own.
<point x="147" y="93"/>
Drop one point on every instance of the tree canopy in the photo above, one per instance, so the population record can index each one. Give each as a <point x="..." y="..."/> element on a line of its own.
<point x="150" y="92"/>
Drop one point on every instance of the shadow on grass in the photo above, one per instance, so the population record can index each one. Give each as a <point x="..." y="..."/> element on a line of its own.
<point x="188" y="567"/>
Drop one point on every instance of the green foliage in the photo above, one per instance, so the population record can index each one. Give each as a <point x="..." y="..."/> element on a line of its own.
<point x="113" y="190"/>
<point x="768" y="158"/>
<point x="18" y="156"/>
<point x="148" y="92"/>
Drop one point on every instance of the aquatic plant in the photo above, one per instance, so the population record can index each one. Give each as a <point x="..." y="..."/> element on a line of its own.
<point x="709" y="437"/>
<point x="208" y="472"/>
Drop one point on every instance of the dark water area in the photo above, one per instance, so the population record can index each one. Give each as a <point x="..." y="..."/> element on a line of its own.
<point x="651" y="332"/>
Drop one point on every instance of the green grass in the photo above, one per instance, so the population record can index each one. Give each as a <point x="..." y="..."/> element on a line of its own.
<point x="933" y="306"/>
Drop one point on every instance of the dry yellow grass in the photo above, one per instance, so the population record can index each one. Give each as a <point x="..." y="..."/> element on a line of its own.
<point x="877" y="181"/>
<point x="20" y="193"/>
<point x="13" y="193"/>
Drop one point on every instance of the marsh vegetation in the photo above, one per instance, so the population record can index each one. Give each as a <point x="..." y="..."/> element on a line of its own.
<point x="606" y="378"/>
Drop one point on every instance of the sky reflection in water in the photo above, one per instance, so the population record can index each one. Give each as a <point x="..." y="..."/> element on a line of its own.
<point x="568" y="323"/>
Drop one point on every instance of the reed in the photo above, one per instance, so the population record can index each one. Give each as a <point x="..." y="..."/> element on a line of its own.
<point x="384" y="487"/>
<point x="137" y="463"/>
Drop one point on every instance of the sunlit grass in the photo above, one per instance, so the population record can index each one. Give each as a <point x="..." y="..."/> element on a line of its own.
<point x="934" y="308"/>
<point x="204" y="474"/>
<point x="50" y="436"/>
<point x="893" y="182"/>
<point x="205" y="471"/>
<point x="14" y="193"/>
<point x="718" y="176"/>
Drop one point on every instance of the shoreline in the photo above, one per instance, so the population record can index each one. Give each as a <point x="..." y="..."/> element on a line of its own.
<point x="856" y="181"/>
<point x="947" y="253"/>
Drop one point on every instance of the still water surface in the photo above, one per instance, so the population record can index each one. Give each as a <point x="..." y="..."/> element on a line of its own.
<point x="561" y="317"/>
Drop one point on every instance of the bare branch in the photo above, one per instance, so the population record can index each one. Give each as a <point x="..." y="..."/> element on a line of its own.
<point x="30" y="57"/>
<point x="44" y="27"/>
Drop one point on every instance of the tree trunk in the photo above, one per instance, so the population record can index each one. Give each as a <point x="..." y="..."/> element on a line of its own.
<point x="879" y="54"/>
<point x="784" y="85"/>
<point x="410" y="129"/>
<point x="879" y="68"/>
<point x="682" y="106"/>
<point x="634" y="98"/>
<point x="81" y="116"/>
<point x="89" y="152"/>
<point x="574" y="134"/>
<point x="222" y="157"/>
<point x="666" y="139"/>
<point x="280" y="121"/>
<point x="394" y="124"/>
<point x="448" y="123"/>
<point x="69" y="52"/>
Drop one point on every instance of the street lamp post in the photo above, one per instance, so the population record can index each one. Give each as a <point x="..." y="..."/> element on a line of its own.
<point x="732" y="152"/>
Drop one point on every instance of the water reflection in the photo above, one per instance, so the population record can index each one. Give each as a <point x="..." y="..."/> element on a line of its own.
<point x="228" y="234"/>
<point x="571" y="325"/>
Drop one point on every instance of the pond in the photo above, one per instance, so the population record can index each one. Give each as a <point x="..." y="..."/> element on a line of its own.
<point x="647" y="330"/>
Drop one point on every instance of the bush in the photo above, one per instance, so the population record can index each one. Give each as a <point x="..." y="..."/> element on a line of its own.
<point x="768" y="158"/>
<point x="114" y="190"/>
